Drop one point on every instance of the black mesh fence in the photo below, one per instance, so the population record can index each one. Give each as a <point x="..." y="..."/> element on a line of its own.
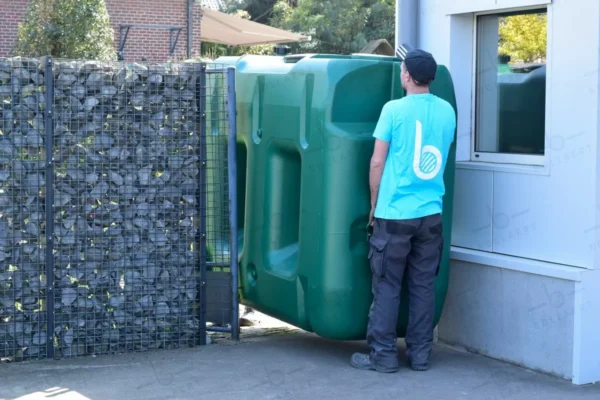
<point x="104" y="246"/>
<point x="219" y="275"/>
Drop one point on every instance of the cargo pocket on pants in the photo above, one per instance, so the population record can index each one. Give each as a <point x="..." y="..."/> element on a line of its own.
<point x="377" y="255"/>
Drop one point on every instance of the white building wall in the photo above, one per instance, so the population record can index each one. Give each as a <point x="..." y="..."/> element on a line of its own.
<point x="586" y="358"/>
<point x="530" y="234"/>
<point x="507" y="314"/>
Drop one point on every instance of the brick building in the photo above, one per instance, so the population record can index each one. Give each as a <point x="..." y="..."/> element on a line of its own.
<point x="152" y="43"/>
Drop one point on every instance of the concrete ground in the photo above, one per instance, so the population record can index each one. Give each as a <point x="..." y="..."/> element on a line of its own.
<point x="273" y="361"/>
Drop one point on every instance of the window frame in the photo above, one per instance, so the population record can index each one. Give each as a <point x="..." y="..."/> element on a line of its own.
<point x="530" y="160"/>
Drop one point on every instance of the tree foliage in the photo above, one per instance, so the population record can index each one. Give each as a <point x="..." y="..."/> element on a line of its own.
<point x="523" y="37"/>
<point x="336" y="26"/>
<point x="259" y="11"/>
<point x="75" y="29"/>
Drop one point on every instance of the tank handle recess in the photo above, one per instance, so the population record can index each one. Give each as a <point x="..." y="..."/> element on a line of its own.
<point x="294" y="58"/>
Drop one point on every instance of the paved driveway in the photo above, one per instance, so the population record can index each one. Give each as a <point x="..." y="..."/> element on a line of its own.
<point x="282" y="365"/>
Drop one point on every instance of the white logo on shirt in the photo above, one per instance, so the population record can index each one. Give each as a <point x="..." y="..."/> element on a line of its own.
<point x="427" y="162"/>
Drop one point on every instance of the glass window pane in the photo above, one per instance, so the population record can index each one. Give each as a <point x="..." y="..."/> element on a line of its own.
<point x="511" y="83"/>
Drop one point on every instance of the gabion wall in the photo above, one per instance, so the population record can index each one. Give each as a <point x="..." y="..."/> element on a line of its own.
<point x="103" y="199"/>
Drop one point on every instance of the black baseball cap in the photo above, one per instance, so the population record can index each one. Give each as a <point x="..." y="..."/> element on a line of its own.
<point x="420" y="65"/>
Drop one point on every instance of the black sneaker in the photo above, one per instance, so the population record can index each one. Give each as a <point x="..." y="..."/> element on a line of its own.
<point x="363" y="361"/>
<point x="418" y="367"/>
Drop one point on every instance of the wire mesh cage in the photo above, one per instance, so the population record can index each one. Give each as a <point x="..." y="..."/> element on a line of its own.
<point x="23" y="173"/>
<point x="104" y="245"/>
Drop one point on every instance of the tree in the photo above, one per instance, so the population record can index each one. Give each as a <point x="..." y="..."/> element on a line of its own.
<point x="259" y="10"/>
<point x="336" y="26"/>
<point x="382" y="21"/>
<point x="523" y="37"/>
<point x="75" y="29"/>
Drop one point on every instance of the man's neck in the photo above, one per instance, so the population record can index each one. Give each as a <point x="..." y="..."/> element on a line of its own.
<point x="417" y="91"/>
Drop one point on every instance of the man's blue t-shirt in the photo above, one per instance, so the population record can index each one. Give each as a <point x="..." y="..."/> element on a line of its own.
<point x="420" y="129"/>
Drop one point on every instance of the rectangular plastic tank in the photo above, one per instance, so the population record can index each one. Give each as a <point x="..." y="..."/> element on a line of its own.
<point x="305" y="127"/>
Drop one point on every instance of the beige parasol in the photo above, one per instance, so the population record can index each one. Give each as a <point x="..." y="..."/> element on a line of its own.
<point x="218" y="27"/>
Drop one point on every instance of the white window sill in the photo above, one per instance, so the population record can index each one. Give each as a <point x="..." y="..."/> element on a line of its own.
<point x="497" y="167"/>
<point x="517" y="264"/>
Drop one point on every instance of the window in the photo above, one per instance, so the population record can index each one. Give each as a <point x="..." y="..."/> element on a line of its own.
<point x="510" y="87"/>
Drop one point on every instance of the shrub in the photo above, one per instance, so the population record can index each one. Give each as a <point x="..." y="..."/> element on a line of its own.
<point x="72" y="29"/>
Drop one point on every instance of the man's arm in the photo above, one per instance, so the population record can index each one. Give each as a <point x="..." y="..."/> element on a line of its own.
<point x="376" y="171"/>
<point x="383" y="136"/>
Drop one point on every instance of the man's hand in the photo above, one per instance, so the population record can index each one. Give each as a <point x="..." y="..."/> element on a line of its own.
<point x="372" y="216"/>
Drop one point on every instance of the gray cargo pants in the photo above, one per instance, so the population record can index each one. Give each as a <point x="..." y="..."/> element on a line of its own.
<point x="396" y="246"/>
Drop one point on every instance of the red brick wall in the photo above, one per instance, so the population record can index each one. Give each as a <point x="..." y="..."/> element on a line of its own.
<point x="150" y="43"/>
<point x="12" y="13"/>
<point x="141" y="43"/>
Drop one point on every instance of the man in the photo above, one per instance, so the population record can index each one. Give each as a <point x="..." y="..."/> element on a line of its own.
<point x="412" y="140"/>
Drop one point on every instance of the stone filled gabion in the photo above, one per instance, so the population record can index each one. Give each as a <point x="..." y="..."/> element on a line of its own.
<point x="126" y="166"/>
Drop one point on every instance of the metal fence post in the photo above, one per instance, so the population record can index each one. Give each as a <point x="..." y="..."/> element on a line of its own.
<point x="232" y="168"/>
<point x="49" y="128"/>
<point x="202" y="201"/>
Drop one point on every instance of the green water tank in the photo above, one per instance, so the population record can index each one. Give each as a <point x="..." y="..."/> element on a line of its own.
<point x="305" y="126"/>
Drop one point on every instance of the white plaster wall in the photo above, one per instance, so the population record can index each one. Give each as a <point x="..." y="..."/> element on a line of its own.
<point x="586" y="356"/>
<point x="586" y="352"/>
<point x="538" y="213"/>
<point x="522" y="318"/>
